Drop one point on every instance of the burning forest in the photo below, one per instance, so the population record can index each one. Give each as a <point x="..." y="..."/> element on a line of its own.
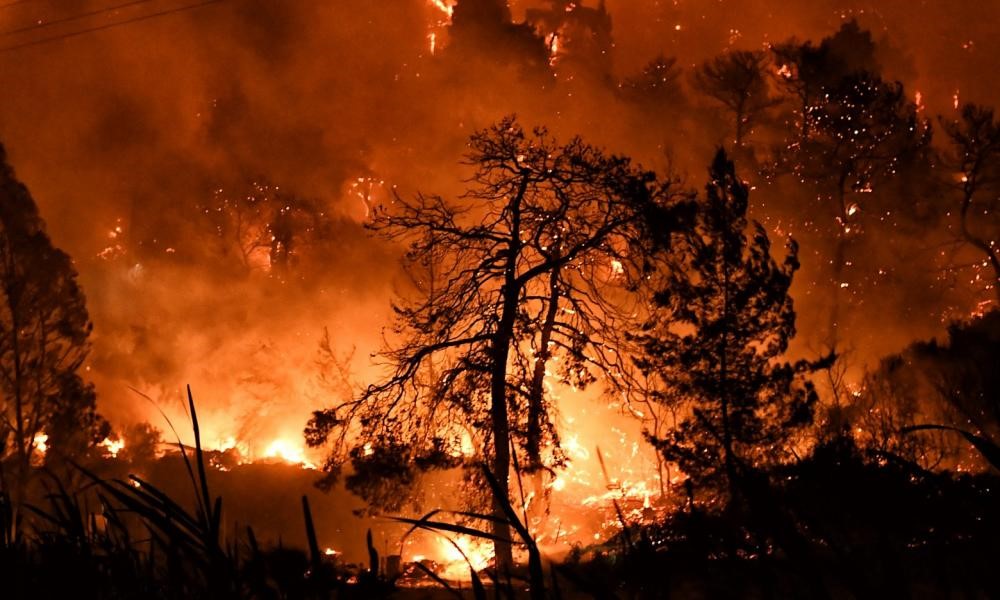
<point x="488" y="298"/>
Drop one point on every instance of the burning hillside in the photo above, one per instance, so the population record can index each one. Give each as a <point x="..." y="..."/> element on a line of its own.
<point x="614" y="285"/>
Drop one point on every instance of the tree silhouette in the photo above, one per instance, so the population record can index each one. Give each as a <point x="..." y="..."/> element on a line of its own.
<point x="484" y="29"/>
<point x="263" y="224"/>
<point x="533" y="262"/>
<point x="581" y="34"/>
<point x="863" y="132"/>
<point x="738" y="82"/>
<point x="44" y="329"/>
<point x="723" y="320"/>
<point x="975" y="157"/>
<point x="805" y="71"/>
<point x="656" y="86"/>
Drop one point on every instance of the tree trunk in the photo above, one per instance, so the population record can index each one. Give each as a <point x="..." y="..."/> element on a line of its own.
<point x="23" y="447"/>
<point x="501" y="430"/>
<point x="500" y="352"/>
<point x="982" y="245"/>
<point x="537" y="391"/>
<point x="839" y="260"/>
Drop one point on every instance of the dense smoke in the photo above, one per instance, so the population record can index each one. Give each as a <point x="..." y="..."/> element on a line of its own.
<point x="125" y="135"/>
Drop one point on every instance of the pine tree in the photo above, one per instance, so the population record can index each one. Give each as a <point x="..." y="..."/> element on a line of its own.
<point x="722" y="321"/>
<point x="738" y="82"/>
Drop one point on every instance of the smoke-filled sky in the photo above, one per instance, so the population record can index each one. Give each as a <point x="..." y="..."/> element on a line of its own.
<point x="132" y="127"/>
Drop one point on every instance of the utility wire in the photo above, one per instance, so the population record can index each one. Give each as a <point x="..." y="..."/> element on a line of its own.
<point x="14" y="3"/>
<point x="76" y="17"/>
<point x="80" y="32"/>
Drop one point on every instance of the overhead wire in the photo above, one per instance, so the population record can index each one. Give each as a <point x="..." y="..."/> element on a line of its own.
<point x="76" y="17"/>
<point x="106" y="26"/>
<point x="14" y="3"/>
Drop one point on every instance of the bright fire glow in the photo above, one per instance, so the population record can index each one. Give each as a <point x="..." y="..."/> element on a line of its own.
<point x="475" y="553"/>
<point x="445" y="6"/>
<point x="289" y="452"/>
<point x="112" y="446"/>
<point x="40" y="443"/>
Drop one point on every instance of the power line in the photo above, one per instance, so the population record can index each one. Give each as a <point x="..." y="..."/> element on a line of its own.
<point x="75" y="17"/>
<point x="109" y="25"/>
<point x="14" y="3"/>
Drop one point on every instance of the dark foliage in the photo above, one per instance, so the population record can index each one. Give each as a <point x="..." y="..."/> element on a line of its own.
<point x="722" y="322"/>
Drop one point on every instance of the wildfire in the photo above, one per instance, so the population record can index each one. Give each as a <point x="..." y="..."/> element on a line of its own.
<point x="445" y="6"/>
<point x="289" y="452"/>
<point x="40" y="443"/>
<point x="462" y="552"/>
<point x="112" y="446"/>
<point x="553" y="49"/>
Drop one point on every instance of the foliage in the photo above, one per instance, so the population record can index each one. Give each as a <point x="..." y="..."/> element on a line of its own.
<point x="657" y="86"/>
<point x="712" y="347"/>
<point x="805" y="70"/>
<point x="44" y="331"/>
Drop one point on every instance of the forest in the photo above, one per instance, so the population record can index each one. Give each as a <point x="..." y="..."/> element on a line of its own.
<point x="485" y="299"/>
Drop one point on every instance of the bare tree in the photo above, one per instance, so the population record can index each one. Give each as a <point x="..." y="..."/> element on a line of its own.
<point x="534" y="262"/>
<point x="264" y="224"/>
<point x="975" y="157"/>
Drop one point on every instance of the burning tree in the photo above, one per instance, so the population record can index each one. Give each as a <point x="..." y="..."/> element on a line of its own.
<point x="975" y="156"/>
<point x="737" y="81"/>
<point x="44" y="329"/>
<point x="806" y="71"/>
<point x="263" y="224"/>
<point x="862" y="132"/>
<point x="723" y="320"/>
<point x="529" y="269"/>
<point x="484" y="29"/>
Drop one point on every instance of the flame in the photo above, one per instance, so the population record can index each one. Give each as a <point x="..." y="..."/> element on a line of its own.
<point x="445" y="6"/>
<point x="289" y="452"/>
<point x="112" y="446"/>
<point x="470" y="552"/>
<point x="39" y="443"/>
